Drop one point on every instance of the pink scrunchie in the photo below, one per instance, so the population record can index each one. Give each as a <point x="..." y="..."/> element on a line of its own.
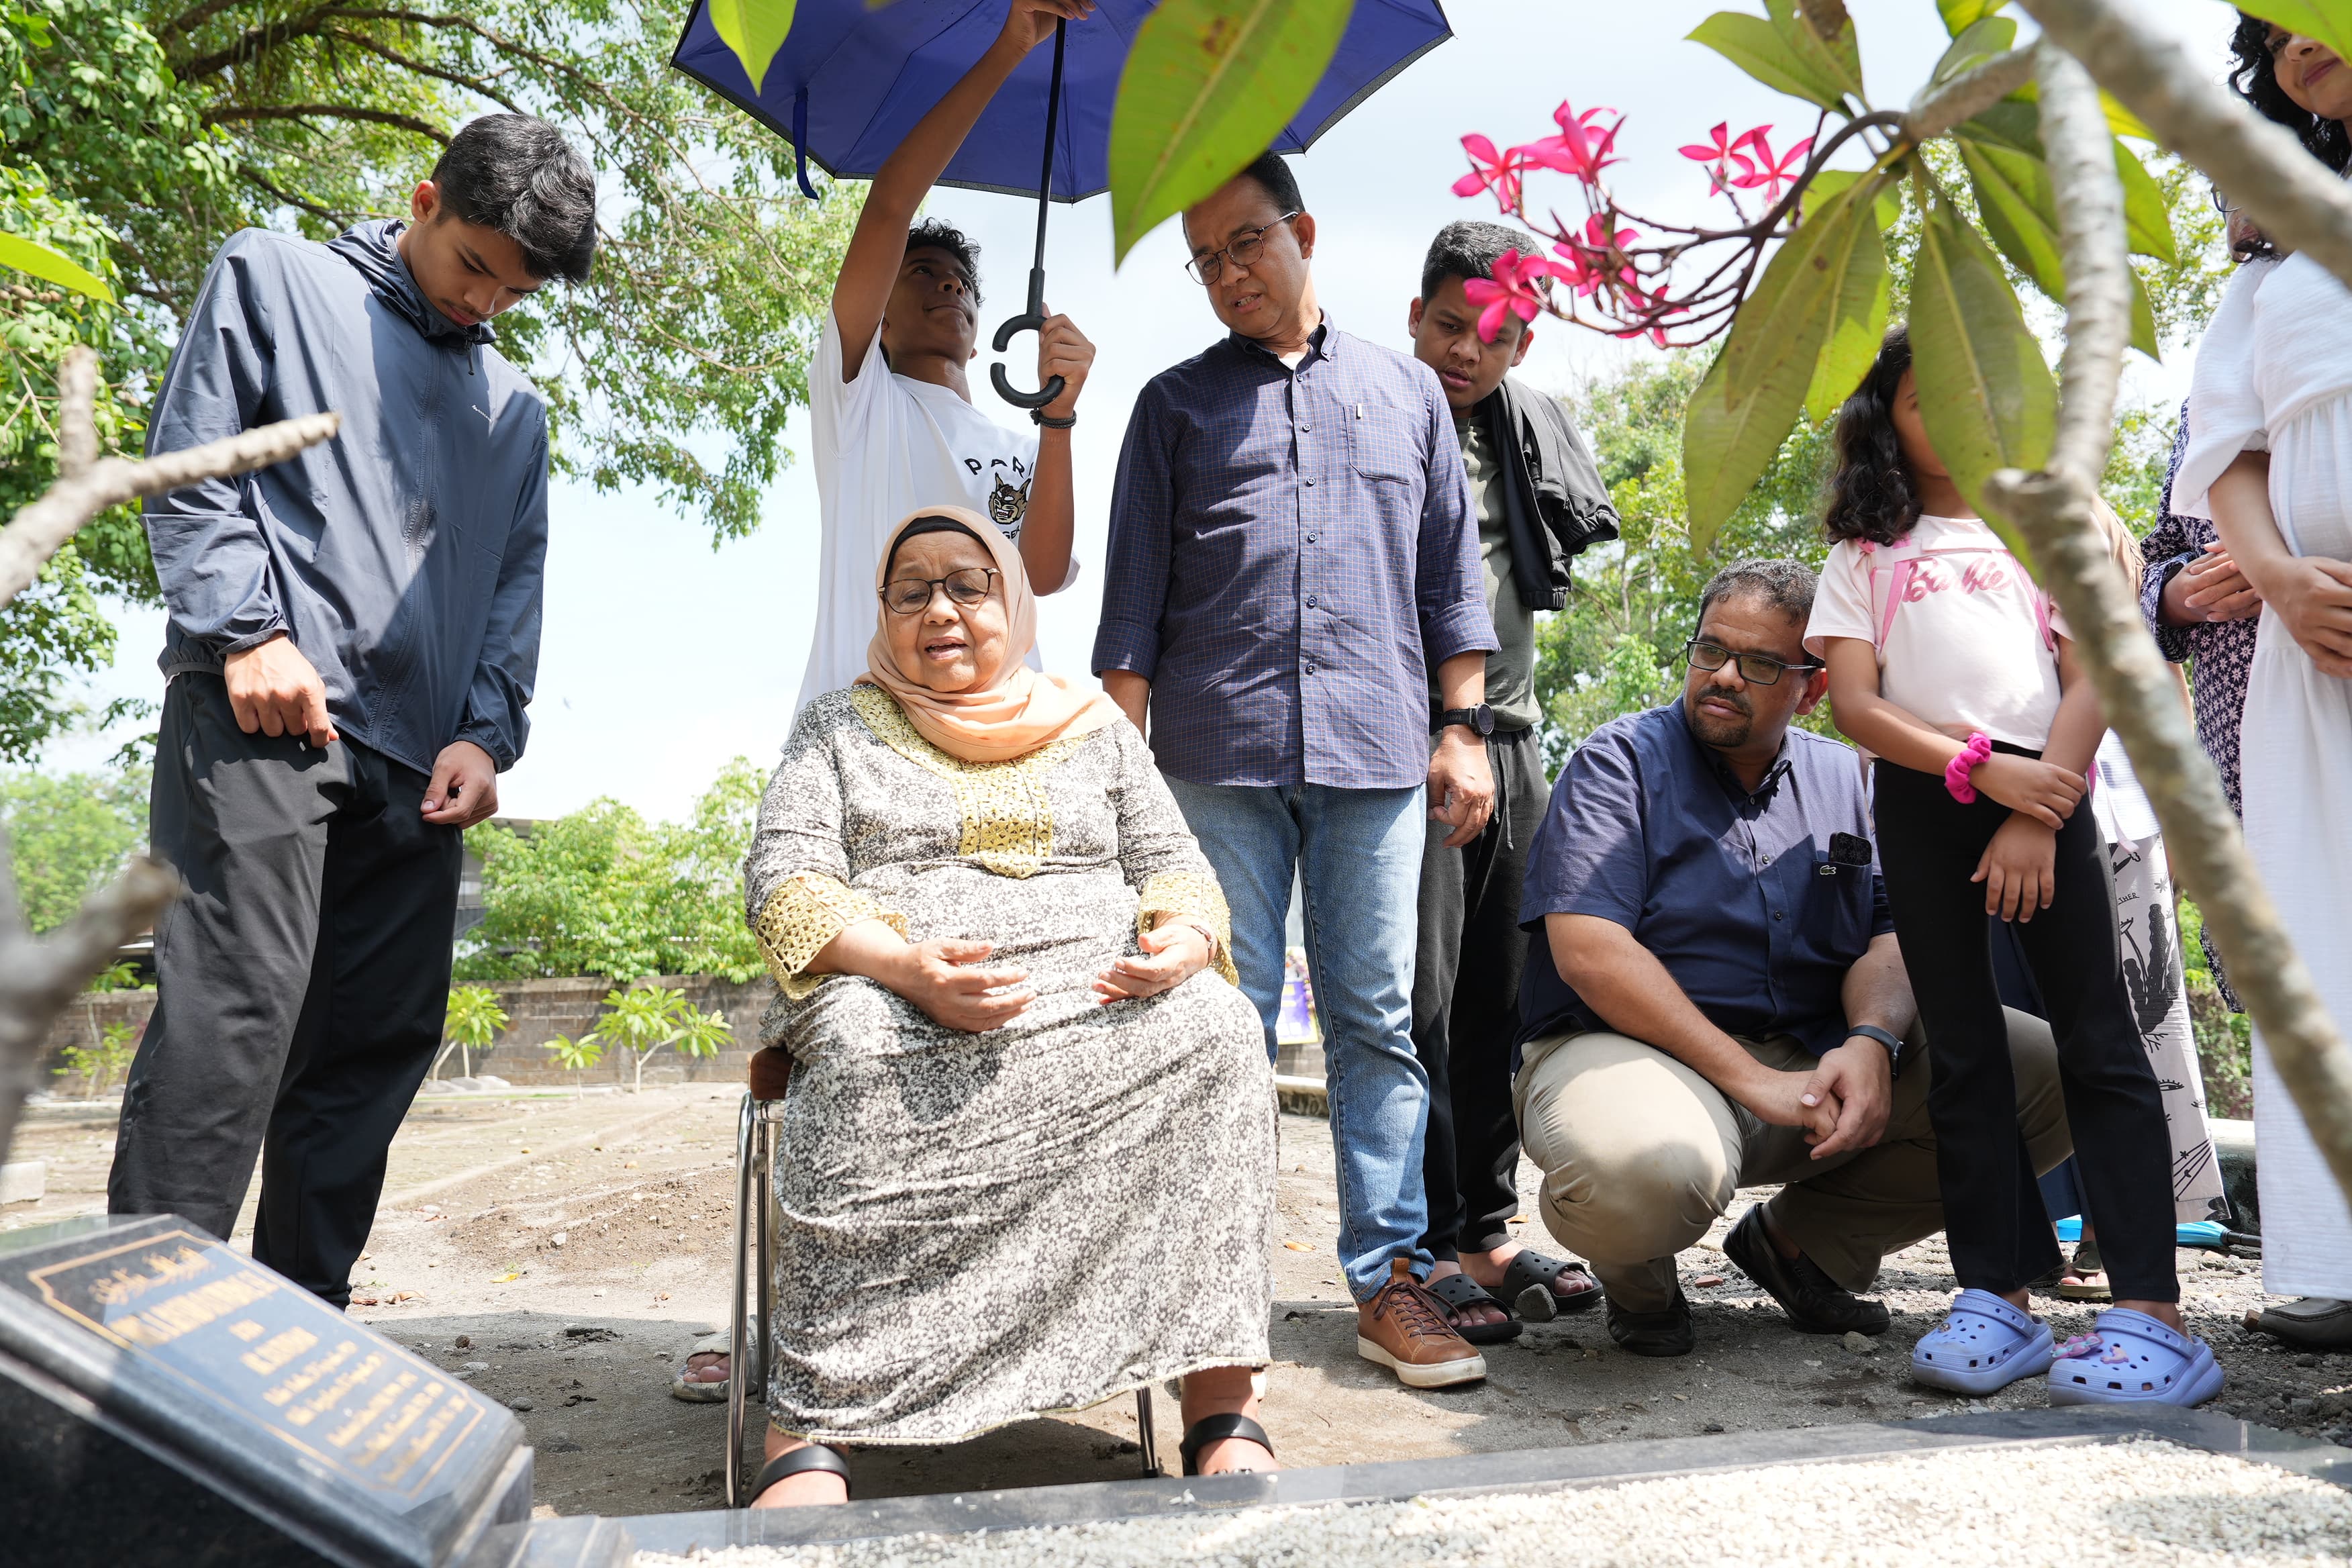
<point x="1956" y="771"/>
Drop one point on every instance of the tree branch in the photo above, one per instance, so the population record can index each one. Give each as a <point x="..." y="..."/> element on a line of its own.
<point x="2090" y="198"/>
<point x="251" y="44"/>
<point x="1966" y="95"/>
<point x="2299" y="204"/>
<point x="39" y="978"/>
<point x="236" y="112"/>
<point x="254" y="177"/>
<point x="455" y="78"/>
<point x="43" y="524"/>
<point x="2053" y="509"/>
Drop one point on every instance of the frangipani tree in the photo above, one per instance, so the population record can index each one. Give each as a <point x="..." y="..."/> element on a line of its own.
<point x="1798" y="284"/>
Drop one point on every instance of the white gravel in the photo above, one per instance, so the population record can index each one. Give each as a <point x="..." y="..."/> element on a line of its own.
<point x="2142" y="1503"/>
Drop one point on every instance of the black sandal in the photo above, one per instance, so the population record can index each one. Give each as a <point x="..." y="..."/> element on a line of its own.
<point x="800" y="1461"/>
<point x="1210" y="1429"/>
<point x="1459" y="1291"/>
<point x="1527" y="1280"/>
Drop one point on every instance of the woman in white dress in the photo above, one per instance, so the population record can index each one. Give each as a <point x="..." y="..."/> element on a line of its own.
<point x="2269" y="460"/>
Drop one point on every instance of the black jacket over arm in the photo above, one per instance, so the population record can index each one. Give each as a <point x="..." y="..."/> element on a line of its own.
<point x="1556" y="505"/>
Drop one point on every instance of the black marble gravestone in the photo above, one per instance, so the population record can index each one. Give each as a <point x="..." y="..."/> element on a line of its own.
<point x="166" y="1400"/>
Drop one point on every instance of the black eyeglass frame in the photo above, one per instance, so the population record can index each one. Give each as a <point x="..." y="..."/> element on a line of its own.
<point x="934" y="586"/>
<point x="1195" y="267"/>
<point x="1690" y="656"/>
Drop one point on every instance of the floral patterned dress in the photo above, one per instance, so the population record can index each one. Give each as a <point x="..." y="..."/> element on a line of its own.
<point x="978" y="1229"/>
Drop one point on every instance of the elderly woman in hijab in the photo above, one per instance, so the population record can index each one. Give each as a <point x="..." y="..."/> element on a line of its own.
<point x="1027" y="1155"/>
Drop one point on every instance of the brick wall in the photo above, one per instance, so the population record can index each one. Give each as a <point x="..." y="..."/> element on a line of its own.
<point x="537" y="1010"/>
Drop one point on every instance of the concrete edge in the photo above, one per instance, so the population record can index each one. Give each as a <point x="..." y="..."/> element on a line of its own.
<point x="1302" y="1095"/>
<point x="1531" y="1469"/>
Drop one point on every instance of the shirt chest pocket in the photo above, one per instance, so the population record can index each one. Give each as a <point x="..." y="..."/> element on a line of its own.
<point x="1837" y="905"/>
<point x="1384" y="442"/>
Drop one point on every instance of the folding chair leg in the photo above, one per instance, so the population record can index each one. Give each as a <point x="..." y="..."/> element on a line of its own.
<point x="1144" y="1438"/>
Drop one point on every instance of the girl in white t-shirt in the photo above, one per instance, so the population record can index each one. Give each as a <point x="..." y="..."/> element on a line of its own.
<point x="1951" y="665"/>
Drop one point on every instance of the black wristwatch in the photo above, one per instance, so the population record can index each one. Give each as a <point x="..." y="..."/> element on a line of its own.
<point x="1896" y="1049"/>
<point x="1480" y="719"/>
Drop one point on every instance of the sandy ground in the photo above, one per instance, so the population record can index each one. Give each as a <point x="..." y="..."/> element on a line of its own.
<point x="570" y="1249"/>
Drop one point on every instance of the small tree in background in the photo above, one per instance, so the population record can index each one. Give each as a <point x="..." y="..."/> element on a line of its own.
<point x="646" y="1018"/>
<point x="576" y="1057"/>
<point x="97" y="1063"/>
<point x="473" y="1024"/>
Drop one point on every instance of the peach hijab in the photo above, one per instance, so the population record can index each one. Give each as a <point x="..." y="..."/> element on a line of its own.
<point x="1021" y="709"/>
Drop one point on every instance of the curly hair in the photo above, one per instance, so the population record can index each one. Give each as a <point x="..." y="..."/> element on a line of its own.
<point x="1871" y="495"/>
<point x="2255" y="79"/>
<point x="938" y="234"/>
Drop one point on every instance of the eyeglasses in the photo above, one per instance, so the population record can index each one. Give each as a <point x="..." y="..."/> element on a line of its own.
<point x="912" y="595"/>
<point x="1242" y="250"/>
<point x="1754" y="667"/>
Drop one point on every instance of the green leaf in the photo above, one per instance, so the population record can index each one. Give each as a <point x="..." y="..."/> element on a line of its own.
<point x="2015" y="121"/>
<point x="1987" y="397"/>
<point x="1756" y="46"/>
<point x="2019" y="209"/>
<point x="2121" y="120"/>
<point x="1208" y="85"/>
<point x="2147" y="219"/>
<point x="1829" y="275"/>
<point x="2329" y="21"/>
<point x="1888" y="202"/>
<point x="1959" y="15"/>
<point x="1863" y="292"/>
<point x="1836" y="59"/>
<point x="755" y="30"/>
<point x="52" y="265"/>
<point x="1978" y="42"/>
<point x="2143" y="320"/>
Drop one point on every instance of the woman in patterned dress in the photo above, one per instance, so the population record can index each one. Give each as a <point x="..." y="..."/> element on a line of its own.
<point x="1026" y="1161"/>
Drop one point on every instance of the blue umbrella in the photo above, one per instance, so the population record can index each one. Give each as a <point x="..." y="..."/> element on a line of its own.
<point x="850" y="82"/>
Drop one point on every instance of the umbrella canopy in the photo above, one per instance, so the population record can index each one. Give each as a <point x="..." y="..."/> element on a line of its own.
<point x="851" y="81"/>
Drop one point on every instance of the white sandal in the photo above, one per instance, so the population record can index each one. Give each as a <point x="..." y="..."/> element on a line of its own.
<point x="696" y="1392"/>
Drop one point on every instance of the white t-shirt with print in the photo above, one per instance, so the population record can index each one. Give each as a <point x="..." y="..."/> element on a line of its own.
<point x="882" y="445"/>
<point x="1964" y="649"/>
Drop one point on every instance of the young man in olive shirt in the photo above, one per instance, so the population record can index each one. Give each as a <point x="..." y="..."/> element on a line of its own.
<point x="1540" y="500"/>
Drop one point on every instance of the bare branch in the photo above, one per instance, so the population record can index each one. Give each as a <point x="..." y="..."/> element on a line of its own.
<point x="1966" y="95"/>
<point x="251" y="44"/>
<point x="2081" y="153"/>
<point x="474" y="85"/>
<point x="2300" y="205"/>
<point x="236" y="112"/>
<point x="42" y="525"/>
<point x="276" y="193"/>
<point x="193" y="17"/>
<point x="77" y="413"/>
<point x="40" y="978"/>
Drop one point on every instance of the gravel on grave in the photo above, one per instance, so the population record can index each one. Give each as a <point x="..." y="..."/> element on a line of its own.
<point x="2145" y="1504"/>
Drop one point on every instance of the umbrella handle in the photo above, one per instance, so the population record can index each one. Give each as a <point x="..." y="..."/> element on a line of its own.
<point x="1031" y="320"/>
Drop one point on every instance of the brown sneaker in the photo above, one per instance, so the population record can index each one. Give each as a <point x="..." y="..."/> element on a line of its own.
<point x="1403" y="1328"/>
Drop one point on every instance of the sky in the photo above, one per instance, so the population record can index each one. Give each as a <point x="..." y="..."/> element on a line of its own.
<point x="663" y="657"/>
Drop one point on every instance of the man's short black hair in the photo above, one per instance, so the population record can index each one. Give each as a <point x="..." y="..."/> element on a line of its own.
<point x="1470" y="250"/>
<point x="522" y="176"/>
<point x="1272" y="173"/>
<point x="938" y="234"/>
<point x="1784" y="585"/>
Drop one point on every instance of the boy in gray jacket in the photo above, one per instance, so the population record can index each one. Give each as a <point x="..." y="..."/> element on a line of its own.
<point x="352" y="639"/>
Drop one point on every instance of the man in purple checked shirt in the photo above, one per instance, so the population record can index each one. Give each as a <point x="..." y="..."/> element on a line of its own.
<point x="1293" y="553"/>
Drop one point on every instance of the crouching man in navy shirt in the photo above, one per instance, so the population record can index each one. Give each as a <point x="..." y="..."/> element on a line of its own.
<point x="1720" y="1001"/>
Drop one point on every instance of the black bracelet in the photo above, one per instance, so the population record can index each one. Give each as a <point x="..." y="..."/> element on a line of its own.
<point x="1041" y="416"/>
<point x="1885" y="1038"/>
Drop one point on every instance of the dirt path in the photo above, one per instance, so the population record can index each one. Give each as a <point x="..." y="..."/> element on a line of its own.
<point x="580" y="1244"/>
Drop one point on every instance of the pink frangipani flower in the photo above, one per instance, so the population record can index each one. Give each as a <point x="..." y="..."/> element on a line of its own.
<point x="1490" y="170"/>
<point x="1514" y="288"/>
<point x="1722" y="152"/>
<point x="1767" y="172"/>
<point x="1581" y="149"/>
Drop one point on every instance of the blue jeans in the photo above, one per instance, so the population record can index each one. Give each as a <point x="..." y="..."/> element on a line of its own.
<point x="1358" y="852"/>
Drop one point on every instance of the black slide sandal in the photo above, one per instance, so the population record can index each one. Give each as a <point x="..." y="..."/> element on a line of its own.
<point x="1528" y="1281"/>
<point x="1459" y="1290"/>
<point x="1210" y="1429"/>
<point x="800" y="1461"/>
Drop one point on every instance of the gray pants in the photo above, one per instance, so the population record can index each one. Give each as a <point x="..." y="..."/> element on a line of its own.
<point x="301" y="985"/>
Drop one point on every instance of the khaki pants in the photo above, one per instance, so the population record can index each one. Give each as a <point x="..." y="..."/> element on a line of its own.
<point x="1640" y="1154"/>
